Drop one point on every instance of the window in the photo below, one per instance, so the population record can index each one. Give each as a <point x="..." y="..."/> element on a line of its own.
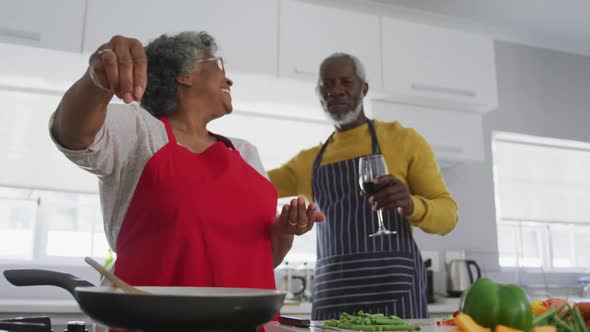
<point x="18" y="210"/>
<point x="42" y="226"/>
<point x="52" y="227"/>
<point x="542" y="195"/>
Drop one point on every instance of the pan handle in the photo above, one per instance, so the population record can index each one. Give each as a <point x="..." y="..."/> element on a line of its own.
<point x="33" y="277"/>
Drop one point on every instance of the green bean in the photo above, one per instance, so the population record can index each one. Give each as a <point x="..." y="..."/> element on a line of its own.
<point x="575" y="325"/>
<point x="388" y="321"/>
<point x="378" y="327"/>
<point x="547" y="314"/>
<point x="362" y="321"/>
<point x="565" y="314"/>
<point x="577" y="319"/>
<point x="562" y="324"/>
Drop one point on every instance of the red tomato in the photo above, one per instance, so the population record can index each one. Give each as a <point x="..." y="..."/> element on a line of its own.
<point x="555" y="302"/>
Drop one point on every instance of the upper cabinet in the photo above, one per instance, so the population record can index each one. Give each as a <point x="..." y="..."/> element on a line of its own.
<point x="437" y="67"/>
<point x="37" y="69"/>
<point x="455" y="136"/>
<point x="244" y="30"/>
<point x="56" y="24"/>
<point x="309" y="33"/>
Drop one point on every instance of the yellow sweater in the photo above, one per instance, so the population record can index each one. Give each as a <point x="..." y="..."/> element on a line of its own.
<point x="409" y="158"/>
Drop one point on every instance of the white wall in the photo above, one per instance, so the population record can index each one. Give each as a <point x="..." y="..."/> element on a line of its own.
<point x="543" y="93"/>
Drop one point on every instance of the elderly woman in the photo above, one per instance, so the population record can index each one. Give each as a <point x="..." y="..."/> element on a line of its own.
<point x="182" y="206"/>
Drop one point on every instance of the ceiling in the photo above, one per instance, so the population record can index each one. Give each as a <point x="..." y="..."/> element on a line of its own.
<point x="554" y="24"/>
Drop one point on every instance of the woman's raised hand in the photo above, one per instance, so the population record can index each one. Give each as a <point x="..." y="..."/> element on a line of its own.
<point x="120" y="66"/>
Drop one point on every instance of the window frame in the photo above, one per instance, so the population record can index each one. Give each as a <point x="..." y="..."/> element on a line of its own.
<point x="546" y="251"/>
<point x="40" y="255"/>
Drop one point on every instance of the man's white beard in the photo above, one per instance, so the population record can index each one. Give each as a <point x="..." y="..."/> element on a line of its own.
<point x="348" y="117"/>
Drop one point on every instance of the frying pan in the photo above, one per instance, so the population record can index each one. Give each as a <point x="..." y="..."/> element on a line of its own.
<point x="163" y="308"/>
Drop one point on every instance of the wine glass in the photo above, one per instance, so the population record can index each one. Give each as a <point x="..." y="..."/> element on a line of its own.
<point x="372" y="167"/>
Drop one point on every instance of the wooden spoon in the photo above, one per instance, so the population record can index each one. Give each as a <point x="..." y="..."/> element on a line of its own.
<point x="113" y="278"/>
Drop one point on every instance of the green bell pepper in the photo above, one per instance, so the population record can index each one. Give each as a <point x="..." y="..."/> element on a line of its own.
<point x="491" y="304"/>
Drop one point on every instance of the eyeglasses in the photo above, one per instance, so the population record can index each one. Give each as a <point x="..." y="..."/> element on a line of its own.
<point x="218" y="60"/>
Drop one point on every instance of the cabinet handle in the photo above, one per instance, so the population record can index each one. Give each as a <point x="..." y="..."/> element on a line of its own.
<point x="20" y="34"/>
<point x="303" y="72"/>
<point x="448" y="148"/>
<point x="443" y="90"/>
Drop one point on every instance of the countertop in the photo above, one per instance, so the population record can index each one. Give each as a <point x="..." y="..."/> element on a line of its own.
<point x="442" y="307"/>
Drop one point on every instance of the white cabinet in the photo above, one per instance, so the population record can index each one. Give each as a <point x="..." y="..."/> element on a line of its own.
<point x="309" y="33"/>
<point x="56" y="24"/>
<point x="244" y="30"/>
<point x="37" y="69"/>
<point x="454" y="136"/>
<point x="438" y="67"/>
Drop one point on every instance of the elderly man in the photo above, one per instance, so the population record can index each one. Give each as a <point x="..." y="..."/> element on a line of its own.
<point x="355" y="271"/>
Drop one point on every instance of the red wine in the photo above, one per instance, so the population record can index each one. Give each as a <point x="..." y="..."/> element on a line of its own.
<point x="371" y="188"/>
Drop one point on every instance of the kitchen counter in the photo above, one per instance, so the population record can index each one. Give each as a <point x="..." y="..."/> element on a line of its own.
<point x="443" y="307"/>
<point x="39" y="306"/>
<point x="426" y="325"/>
<point x="294" y="308"/>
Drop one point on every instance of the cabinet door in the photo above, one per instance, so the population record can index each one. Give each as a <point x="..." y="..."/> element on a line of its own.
<point x="454" y="136"/>
<point x="56" y="24"/>
<point x="244" y="30"/>
<point x="438" y="67"/>
<point x="41" y="70"/>
<point x="310" y="33"/>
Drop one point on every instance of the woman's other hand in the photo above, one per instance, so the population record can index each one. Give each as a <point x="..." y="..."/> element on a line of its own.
<point x="296" y="219"/>
<point x="120" y="66"/>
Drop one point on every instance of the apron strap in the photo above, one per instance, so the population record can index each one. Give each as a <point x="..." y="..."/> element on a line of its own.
<point x="318" y="159"/>
<point x="374" y="144"/>
<point x="375" y="141"/>
<point x="171" y="137"/>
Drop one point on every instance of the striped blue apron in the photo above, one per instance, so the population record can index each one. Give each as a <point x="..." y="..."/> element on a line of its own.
<point x="383" y="274"/>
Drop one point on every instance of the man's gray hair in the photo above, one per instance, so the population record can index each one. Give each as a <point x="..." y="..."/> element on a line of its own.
<point x="358" y="66"/>
<point x="168" y="57"/>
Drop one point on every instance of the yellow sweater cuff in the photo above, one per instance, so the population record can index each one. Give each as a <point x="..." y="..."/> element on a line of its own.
<point x="419" y="213"/>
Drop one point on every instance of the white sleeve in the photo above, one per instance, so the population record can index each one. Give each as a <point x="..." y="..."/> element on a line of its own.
<point x="250" y="154"/>
<point x="112" y="145"/>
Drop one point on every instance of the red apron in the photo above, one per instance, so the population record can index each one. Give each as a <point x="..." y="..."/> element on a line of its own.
<point x="198" y="219"/>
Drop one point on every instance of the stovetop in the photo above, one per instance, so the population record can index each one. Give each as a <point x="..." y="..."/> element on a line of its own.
<point x="37" y="324"/>
<point x="43" y="324"/>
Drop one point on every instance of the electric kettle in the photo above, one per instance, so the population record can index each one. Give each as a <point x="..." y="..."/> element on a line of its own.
<point x="460" y="276"/>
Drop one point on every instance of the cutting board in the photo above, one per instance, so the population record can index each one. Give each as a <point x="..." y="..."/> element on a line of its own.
<point x="426" y="325"/>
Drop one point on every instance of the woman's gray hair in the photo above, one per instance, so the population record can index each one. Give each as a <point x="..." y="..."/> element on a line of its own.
<point x="168" y="57"/>
<point x="358" y="66"/>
